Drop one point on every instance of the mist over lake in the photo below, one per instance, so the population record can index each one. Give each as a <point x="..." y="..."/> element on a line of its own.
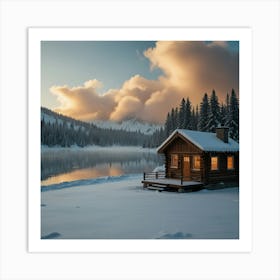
<point x="65" y="165"/>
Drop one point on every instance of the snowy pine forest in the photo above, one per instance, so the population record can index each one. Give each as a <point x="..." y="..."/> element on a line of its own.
<point x="59" y="130"/>
<point x="205" y="117"/>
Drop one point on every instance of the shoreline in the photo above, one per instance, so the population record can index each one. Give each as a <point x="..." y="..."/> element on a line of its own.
<point x="114" y="148"/>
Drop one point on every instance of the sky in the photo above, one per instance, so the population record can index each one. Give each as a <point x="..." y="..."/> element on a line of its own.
<point x="120" y="80"/>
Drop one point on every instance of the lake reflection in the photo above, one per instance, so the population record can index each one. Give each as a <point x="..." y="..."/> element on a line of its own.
<point x="67" y="165"/>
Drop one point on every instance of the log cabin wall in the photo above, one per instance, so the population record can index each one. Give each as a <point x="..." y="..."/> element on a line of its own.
<point x="222" y="174"/>
<point x="172" y="172"/>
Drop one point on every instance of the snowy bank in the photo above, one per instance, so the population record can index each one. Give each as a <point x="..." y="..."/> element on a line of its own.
<point x="94" y="181"/>
<point x="119" y="208"/>
<point x="160" y="168"/>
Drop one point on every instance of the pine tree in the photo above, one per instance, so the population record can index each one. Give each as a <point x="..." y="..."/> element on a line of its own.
<point x="43" y="132"/>
<point x="182" y="113"/>
<point x="227" y="102"/>
<point x="227" y="119"/>
<point x="233" y="119"/>
<point x="188" y="115"/>
<point x="214" y="119"/>
<point x="176" y="118"/>
<point x="196" y="117"/>
<point x="203" y="115"/>
<point x="173" y="119"/>
<point x="223" y="114"/>
<point x="168" y="125"/>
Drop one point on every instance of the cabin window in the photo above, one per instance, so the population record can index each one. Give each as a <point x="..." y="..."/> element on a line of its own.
<point x="196" y="162"/>
<point x="230" y="162"/>
<point x="174" y="161"/>
<point x="214" y="163"/>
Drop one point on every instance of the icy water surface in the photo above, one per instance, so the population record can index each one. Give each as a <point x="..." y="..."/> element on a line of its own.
<point x="66" y="165"/>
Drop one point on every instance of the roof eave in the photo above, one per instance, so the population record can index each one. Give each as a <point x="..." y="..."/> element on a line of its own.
<point x="177" y="133"/>
<point x="163" y="146"/>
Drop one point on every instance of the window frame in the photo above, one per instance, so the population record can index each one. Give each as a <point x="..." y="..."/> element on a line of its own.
<point x="211" y="166"/>
<point x="233" y="165"/>
<point x="173" y="156"/>
<point x="193" y="162"/>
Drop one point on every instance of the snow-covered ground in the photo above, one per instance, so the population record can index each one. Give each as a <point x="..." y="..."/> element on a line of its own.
<point x="119" y="208"/>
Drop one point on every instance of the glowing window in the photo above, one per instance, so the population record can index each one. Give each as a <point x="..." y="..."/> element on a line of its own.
<point x="214" y="163"/>
<point x="230" y="162"/>
<point x="196" y="162"/>
<point x="174" y="161"/>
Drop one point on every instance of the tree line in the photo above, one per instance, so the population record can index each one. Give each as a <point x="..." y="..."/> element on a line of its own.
<point x="206" y="116"/>
<point x="65" y="132"/>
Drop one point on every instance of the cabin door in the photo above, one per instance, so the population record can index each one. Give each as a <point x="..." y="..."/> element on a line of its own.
<point x="187" y="168"/>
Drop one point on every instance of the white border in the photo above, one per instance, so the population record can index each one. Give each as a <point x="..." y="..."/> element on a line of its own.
<point x="263" y="260"/>
<point x="243" y="35"/>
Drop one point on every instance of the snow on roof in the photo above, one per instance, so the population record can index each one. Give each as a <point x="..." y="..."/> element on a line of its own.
<point x="206" y="141"/>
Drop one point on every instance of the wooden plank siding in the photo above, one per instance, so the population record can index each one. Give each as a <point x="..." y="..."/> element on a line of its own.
<point x="182" y="148"/>
<point x="180" y="145"/>
<point x="222" y="173"/>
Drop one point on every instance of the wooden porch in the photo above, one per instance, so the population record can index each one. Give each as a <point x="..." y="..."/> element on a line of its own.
<point x="158" y="181"/>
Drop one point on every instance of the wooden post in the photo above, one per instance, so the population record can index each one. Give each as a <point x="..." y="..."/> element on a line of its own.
<point x="181" y="180"/>
<point x="156" y="175"/>
<point x="144" y="175"/>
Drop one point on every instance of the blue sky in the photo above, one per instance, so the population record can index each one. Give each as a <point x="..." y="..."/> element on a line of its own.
<point x="74" y="62"/>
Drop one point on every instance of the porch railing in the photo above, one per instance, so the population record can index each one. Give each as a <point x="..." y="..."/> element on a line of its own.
<point x="161" y="175"/>
<point x="154" y="175"/>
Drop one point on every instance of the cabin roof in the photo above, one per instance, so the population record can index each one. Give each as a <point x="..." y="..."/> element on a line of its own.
<point x="206" y="141"/>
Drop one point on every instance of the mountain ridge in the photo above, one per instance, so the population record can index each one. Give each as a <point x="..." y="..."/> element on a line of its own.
<point x="131" y="125"/>
<point x="60" y="130"/>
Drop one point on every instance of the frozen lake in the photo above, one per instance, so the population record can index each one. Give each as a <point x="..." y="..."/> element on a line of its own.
<point x="60" y="165"/>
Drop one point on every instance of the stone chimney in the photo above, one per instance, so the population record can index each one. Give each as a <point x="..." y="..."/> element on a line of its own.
<point x="222" y="133"/>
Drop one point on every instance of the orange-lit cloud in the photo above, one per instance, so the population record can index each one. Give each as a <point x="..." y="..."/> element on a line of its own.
<point x="189" y="69"/>
<point x="194" y="68"/>
<point x="84" y="102"/>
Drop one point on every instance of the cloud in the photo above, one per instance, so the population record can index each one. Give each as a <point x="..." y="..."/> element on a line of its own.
<point x="128" y="107"/>
<point x="194" y="68"/>
<point x="84" y="102"/>
<point x="189" y="70"/>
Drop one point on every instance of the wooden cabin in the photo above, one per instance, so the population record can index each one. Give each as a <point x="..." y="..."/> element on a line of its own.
<point x="201" y="156"/>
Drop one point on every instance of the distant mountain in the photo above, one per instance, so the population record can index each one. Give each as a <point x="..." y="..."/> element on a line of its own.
<point x="129" y="125"/>
<point x="132" y="125"/>
<point x="59" y="130"/>
<point x="52" y="117"/>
